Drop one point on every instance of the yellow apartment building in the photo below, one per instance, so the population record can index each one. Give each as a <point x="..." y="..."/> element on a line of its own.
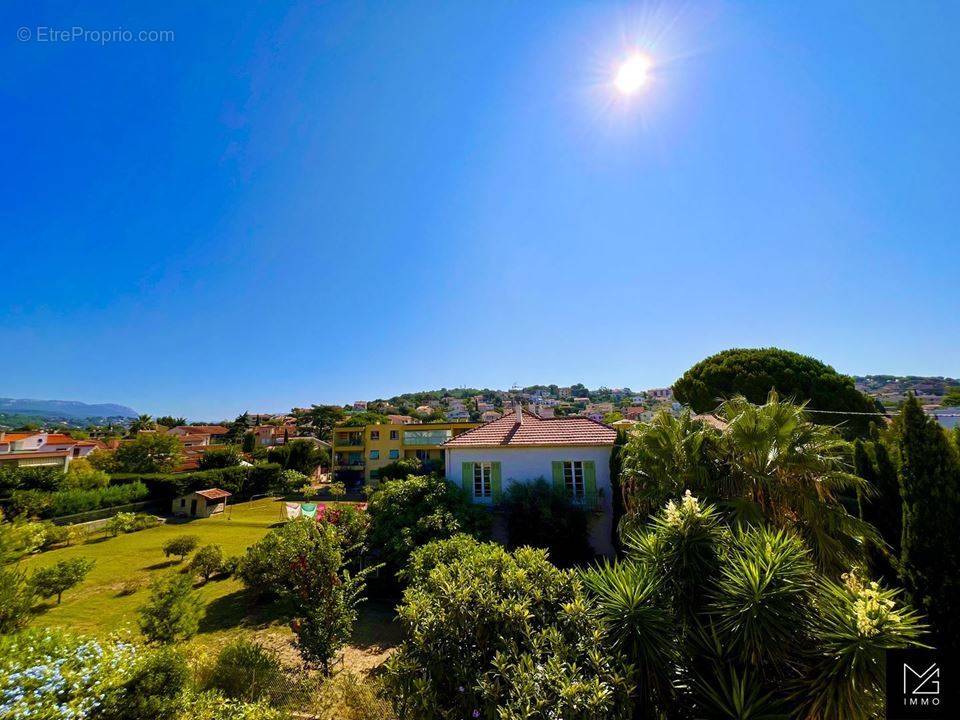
<point x="362" y="451"/>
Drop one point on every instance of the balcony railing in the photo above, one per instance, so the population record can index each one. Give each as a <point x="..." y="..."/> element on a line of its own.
<point x="351" y="441"/>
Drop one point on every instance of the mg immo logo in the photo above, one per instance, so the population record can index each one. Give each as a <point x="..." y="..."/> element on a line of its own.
<point x="921" y="688"/>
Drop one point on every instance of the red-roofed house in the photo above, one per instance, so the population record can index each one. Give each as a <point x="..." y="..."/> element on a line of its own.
<point x="571" y="452"/>
<point x="25" y="449"/>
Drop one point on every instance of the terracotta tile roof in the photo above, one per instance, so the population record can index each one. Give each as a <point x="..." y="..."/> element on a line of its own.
<point x="34" y="454"/>
<point x="203" y="429"/>
<point x="712" y="421"/>
<point x="213" y="494"/>
<point x="14" y="436"/>
<point x="535" y="432"/>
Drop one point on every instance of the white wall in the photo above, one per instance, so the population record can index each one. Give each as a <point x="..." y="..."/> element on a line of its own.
<point x="525" y="464"/>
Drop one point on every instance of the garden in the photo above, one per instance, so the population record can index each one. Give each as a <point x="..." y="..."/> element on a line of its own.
<point x="766" y="564"/>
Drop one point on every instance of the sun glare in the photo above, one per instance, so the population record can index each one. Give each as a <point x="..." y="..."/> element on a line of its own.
<point x="633" y="74"/>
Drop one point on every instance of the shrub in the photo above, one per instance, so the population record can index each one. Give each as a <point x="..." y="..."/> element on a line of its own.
<point x="301" y="455"/>
<point x="220" y="456"/>
<point x="145" y="521"/>
<point x="173" y="610"/>
<point x="207" y="562"/>
<point x="181" y="546"/>
<point x="16" y="600"/>
<point x="249" y="443"/>
<point x="490" y="633"/>
<point x="81" y="475"/>
<point x="122" y="522"/>
<point x="214" y="706"/>
<point x="54" y="535"/>
<point x="289" y="482"/>
<point x="35" y="503"/>
<point x="744" y="612"/>
<point x="230" y="565"/>
<point x="542" y="516"/>
<point x="54" y="674"/>
<point x="41" y="478"/>
<point x="57" y="579"/>
<point x="401" y="469"/>
<point x="247" y="671"/>
<point x="405" y="514"/>
<point x="153" y="689"/>
<point x="77" y="534"/>
<point x="20" y="537"/>
<point x="303" y="563"/>
<point x="348" y="696"/>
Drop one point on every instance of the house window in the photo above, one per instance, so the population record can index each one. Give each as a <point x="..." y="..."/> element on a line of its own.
<point x="573" y="479"/>
<point x="423" y="455"/>
<point x="481" y="480"/>
<point x="394" y="454"/>
<point x="183" y="502"/>
<point x="394" y="434"/>
<point x="374" y="454"/>
<point x="374" y="434"/>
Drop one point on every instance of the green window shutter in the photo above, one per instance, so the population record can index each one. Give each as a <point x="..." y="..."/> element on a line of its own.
<point x="590" y="478"/>
<point x="496" y="486"/>
<point x="558" y="475"/>
<point x="467" y="480"/>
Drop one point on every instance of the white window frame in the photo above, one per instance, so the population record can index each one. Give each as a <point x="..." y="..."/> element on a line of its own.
<point x="483" y="481"/>
<point x="574" y="481"/>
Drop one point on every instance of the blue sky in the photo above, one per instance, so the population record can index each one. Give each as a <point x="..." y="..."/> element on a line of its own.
<point x="321" y="202"/>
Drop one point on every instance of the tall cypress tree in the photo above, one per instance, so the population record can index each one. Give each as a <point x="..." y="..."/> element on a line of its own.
<point x="930" y="549"/>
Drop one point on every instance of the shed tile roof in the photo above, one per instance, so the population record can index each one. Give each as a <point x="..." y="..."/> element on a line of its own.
<point x="213" y="494"/>
<point x="535" y="431"/>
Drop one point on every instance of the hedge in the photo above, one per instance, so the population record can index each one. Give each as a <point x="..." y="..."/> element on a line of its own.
<point x="37" y="503"/>
<point x="242" y="481"/>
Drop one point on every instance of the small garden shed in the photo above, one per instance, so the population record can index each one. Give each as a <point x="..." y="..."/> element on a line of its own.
<point x="201" y="503"/>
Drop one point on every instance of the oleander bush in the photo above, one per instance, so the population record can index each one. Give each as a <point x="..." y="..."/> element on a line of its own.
<point x="37" y="503"/>
<point x="494" y="634"/>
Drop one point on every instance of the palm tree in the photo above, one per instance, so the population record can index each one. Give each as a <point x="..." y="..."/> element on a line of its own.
<point x="788" y="471"/>
<point x="769" y="464"/>
<point x="142" y="422"/>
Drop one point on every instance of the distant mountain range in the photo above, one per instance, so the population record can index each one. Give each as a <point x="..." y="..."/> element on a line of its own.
<point x="66" y="409"/>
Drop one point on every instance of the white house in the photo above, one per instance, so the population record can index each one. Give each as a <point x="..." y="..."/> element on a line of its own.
<point x="25" y="449"/>
<point x="571" y="452"/>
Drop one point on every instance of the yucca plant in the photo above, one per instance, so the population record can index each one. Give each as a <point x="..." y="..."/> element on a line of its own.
<point x="740" y="622"/>
<point x="761" y="603"/>
<point x="640" y="628"/>
<point x="856" y="622"/>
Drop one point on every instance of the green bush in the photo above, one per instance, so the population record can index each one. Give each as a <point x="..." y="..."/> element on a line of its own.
<point x="542" y="516"/>
<point x="81" y="475"/>
<point x="35" y="503"/>
<point x="57" y="579"/>
<point x="153" y="690"/>
<point x="54" y="535"/>
<point x="242" y="481"/>
<point x="405" y="514"/>
<point x="16" y="600"/>
<point x="181" y="546"/>
<point x="122" y="522"/>
<point x="41" y="478"/>
<point x="247" y="671"/>
<point x="173" y="610"/>
<point x="494" y="634"/>
<point x="220" y="456"/>
<point x="207" y="562"/>
<point x="145" y="521"/>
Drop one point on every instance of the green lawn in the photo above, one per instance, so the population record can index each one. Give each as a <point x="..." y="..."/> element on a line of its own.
<point x="98" y="606"/>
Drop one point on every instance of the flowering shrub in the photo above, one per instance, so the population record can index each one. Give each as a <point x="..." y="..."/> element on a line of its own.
<point x="50" y="674"/>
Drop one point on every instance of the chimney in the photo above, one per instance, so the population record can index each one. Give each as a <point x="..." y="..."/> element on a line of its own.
<point x="518" y="408"/>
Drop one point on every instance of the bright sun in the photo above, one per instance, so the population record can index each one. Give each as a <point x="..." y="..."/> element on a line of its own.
<point x="633" y="74"/>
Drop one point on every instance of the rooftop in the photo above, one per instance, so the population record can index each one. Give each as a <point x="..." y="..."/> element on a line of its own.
<point x="535" y="431"/>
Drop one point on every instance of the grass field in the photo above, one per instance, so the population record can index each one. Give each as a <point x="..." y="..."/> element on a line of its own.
<point x="99" y="606"/>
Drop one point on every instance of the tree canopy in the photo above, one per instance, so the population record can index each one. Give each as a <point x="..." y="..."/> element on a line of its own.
<point x="753" y="373"/>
